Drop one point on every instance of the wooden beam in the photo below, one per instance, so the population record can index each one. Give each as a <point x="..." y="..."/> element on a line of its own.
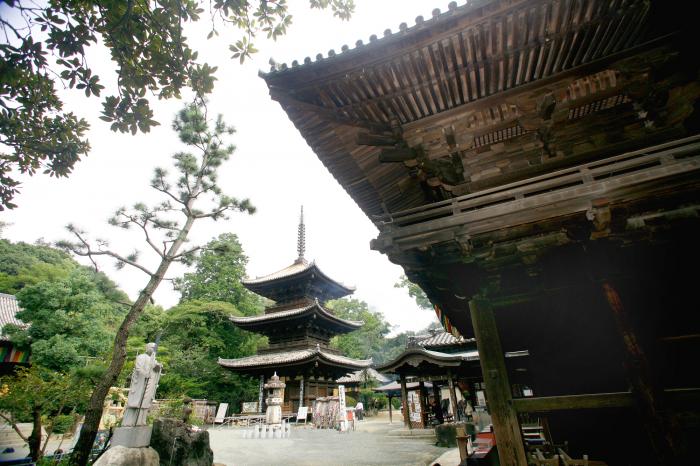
<point x="397" y="155"/>
<point x="566" y="402"/>
<point x="370" y="139"/>
<point x="678" y="398"/>
<point x="567" y="76"/>
<point x="326" y="113"/>
<point x="506" y="427"/>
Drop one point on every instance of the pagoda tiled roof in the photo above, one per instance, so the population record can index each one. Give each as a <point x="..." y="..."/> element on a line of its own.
<point x="293" y="357"/>
<point x="8" y="310"/>
<point x="297" y="267"/>
<point x="292" y="313"/>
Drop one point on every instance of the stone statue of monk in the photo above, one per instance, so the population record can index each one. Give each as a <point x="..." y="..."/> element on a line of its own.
<point x="144" y="382"/>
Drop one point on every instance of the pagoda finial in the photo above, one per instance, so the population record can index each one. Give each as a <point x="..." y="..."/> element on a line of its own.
<point x="301" y="239"/>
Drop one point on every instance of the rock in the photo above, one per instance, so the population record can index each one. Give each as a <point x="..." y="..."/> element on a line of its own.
<point x="179" y="445"/>
<point x="124" y="456"/>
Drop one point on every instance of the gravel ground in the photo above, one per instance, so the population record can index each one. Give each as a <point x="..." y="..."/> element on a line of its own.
<point x="368" y="444"/>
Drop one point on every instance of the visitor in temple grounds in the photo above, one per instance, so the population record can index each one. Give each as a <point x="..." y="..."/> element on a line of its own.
<point x="358" y="410"/>
<point x="437" y="411"/>
<point x="461" y="410"/>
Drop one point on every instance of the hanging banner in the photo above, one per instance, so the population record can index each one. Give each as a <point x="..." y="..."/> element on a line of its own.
<point x="449" y="328"/>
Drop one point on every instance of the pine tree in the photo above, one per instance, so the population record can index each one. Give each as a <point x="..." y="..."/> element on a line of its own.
<point x="172" y="220"/>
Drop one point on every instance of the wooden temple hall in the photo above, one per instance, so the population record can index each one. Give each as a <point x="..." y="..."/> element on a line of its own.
<point x="533" y="165"/>
<point x="299" y="329"/>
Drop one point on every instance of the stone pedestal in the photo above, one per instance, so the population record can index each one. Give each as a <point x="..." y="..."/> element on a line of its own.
<point x="177" y="443"/>
<point x="123" y="456"/>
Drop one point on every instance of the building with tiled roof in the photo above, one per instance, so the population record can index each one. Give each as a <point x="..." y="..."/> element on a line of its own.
<point x="10" y="355"/>
<point x="299" y="329"/>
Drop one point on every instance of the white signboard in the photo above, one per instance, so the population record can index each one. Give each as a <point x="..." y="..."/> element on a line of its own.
<point x="221" y="413"/>
<point x="302" y="413"/>
<point x="250" y="407"/>
<point x="480" y="398"/>
<point x="414" y="406"/>
<point x="342" y="414"/>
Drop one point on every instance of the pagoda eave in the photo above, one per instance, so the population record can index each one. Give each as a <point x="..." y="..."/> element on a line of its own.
<point x="266" y="323"/>
<point x="295" y="362"/>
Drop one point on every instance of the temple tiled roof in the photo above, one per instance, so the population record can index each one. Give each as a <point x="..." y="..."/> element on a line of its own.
<point x="292" y="357"/>
<point x="8" y="309"/>
<point x="359" y="376"/>
<point x="290" y="313"/>
<point x="396" y="386"/>
<point x="374" y="41"/>
<point x="443" y="339"/>
<point x="416" y="355"/>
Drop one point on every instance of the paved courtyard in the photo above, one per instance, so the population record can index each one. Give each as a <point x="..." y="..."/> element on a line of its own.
<point x="370" y="444"/>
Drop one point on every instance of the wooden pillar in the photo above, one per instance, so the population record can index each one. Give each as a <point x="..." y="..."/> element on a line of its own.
<point x="453" y="394"/>
<point x="422" y="397"/>
<point x="390" y="418"/>
<point x="260" y="394"/>
<point x="404" y="402"/>
<point x="301" y="392"/>
<point x="511" y="451"/>
<point x="663" y="427"/>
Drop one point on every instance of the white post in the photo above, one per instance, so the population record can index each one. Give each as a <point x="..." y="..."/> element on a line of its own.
<point x="343" y="414"/>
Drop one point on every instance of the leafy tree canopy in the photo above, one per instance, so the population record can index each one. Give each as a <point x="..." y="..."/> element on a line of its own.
<point x="23" y="264"/>
<point x="367" y="341"/>
<point x="194" y="334"/>
<point x="219" y="268"/>
<point x="69" y="319"/>
<point x="415" y="292"/>
<point x="34" y="394"/>
<point x="46" y="43"/>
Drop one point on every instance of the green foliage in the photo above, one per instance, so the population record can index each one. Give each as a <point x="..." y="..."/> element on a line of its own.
<point x="219" y="269"/>
<point x="367" y="341"/>
<point x="152" y="56"/>
<point x="392" y="348"/>
<point x="68" y="321"/>
<point x="62" y="423"/>
<point x="415" y="292"/>
<point x="23" y="264"/>
<point x="194" y="335"/>
<point x="45" y="392"/>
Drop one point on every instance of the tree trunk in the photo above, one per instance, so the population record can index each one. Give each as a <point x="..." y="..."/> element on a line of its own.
<point x="34" y="439"/>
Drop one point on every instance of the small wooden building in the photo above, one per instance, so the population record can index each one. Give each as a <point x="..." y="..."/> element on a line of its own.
<point x="299" y="330"/>
<point x="10" y="354"/>
<point x="451" y="363"/>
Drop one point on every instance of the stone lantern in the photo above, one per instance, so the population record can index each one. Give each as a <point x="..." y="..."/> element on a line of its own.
<point x="273" y="414"/>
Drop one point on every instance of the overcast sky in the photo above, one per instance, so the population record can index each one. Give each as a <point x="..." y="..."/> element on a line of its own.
<point x="273" y="166"/>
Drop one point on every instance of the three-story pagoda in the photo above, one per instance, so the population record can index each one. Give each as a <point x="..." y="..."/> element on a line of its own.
<point x="299" y="330"/>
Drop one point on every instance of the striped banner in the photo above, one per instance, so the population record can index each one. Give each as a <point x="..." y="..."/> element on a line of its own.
<point x="445" y="321"/>
<point x="13" y="355"/>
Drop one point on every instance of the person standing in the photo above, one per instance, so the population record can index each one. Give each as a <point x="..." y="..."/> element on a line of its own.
<point x="359" y="407"/>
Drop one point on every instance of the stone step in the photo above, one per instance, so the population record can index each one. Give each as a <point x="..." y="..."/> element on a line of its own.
<point x="415" y="433"/>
